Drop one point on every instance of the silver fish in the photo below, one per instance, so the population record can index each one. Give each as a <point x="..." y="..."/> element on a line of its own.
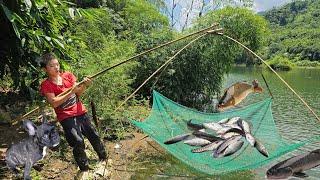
<point x="219" y="152"/>
<point x="230" y="130"/>
<point x="260" y="147"/>
<point x="223" y="121"/>
<point x="178" y="138"/>
<point x="212" y="126"/>
<point x="209" y="147"/>
<point x="230" y="149"/>
<point x="232" y="120"/>
<point x="196" y="142"/>
<point x="244" y="125"/>
<point x="206" y="136"/>
<point x="250" y="139"/>
<point x="229" y="135"/>
<point x="193" y="126"/>
<point x="295" y="166"/>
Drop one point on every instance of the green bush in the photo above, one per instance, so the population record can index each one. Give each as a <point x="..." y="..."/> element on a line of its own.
<point x="307" y="63"/>
<point x="281" y="63"/>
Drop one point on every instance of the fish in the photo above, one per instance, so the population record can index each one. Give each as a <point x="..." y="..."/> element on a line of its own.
<point x="295" y="166"/>
<point x="260" y="147"/>
<point x="195" y="141"/>
<point x="223" y="150"/>
<point x="236" y="93"/>
<point x="178" y="138"/>
<point x="212" y="126"/>
<point x="210" y="147"/>
<point x="229" y="135"/>
<point x="193" y="126"/>
<point x="250" y="139"/>
<point x="230" y="130"/>
<point x="232" y="120"/>
<point x="244" y="125"/>
<point x="224" y="121"/>
<point x="229" y="150"/>
<point x="206" y="136"/>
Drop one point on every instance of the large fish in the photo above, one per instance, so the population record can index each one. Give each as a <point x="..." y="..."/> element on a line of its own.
<point x="193" y="126"/>
<point x="295" y="166"/>
<point x="245" y="126"/>
<point x="178" y="138"/>
<point x="232" y="120"/>
<point x="228" y="147"/>
<point x="214" y="126"/>
<point x="206" y="136"/>
<point x="236" y="93"/>
<point x="209" y="147"/>
<point x="252" y="140"/>
<point x="229" y="135"/>
<point x="260" y="147"/>
<point x="195" y="141"/>
<point x="230" y="130"/>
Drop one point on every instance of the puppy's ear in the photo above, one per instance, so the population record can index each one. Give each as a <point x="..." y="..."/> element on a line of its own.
<point x="30" y="127"/>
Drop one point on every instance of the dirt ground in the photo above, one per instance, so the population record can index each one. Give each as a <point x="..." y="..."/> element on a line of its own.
<point x="57" y="166"/>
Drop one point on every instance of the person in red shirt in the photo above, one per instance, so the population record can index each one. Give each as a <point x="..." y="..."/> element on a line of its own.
<point x="71" y="113"/>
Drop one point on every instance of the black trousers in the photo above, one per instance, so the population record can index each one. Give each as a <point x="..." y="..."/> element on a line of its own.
<point x="74" y="128"/>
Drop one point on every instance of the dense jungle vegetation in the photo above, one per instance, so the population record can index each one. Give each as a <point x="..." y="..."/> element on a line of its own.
<point x="89" y="36"/>
<point x="296" y="31"/>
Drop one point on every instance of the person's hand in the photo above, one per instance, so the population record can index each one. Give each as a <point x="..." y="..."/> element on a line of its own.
<point x="87" y="81"/>
<point x="76" y="88"/>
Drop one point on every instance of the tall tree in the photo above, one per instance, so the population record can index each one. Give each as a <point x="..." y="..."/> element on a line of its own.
<point x="195" y="76"/>
<point x="28" y="29"/>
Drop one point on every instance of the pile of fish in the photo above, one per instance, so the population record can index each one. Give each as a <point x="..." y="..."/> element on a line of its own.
<point x="223" y="138"/>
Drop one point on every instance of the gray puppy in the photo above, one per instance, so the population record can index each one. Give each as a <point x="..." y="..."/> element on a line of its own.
<point x="32" y="149"/>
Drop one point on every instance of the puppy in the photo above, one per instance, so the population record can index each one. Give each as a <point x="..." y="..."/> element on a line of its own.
<point x="32" y="149"/>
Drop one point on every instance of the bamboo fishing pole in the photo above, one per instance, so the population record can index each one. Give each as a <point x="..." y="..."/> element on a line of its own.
<point x="205" y="30"/>
<point x="300" y="98"/>
<point x="165" y="64"/>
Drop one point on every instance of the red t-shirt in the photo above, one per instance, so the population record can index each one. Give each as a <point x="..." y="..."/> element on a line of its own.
<point x="72" y="106"/>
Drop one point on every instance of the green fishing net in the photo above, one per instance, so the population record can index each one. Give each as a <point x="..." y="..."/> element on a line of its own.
<point x="168" y="119"/>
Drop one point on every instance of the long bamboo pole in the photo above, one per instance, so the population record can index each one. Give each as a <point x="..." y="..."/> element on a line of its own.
<point x="118" y="64"/>
<point x="155" y="72"/>
<point x="300" y="98"/>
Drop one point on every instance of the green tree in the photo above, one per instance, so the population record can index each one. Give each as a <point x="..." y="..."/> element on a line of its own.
<point x="195" y="77"/>
<point x="147" y="28"/>
<point x="295" y="31"/>
<point x="29" y="28"/>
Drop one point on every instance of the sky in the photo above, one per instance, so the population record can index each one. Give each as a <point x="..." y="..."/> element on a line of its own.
<point x="183" y="8"/>
<point x="262" y="5"/>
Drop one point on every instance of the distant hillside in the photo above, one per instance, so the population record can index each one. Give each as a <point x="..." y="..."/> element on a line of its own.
<point x="295" y="31"/>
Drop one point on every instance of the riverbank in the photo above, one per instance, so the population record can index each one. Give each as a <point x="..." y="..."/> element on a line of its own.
<point x="293" y="67"/>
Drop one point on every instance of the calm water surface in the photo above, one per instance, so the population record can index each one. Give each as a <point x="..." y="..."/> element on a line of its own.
<point x="294" y="121"/>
